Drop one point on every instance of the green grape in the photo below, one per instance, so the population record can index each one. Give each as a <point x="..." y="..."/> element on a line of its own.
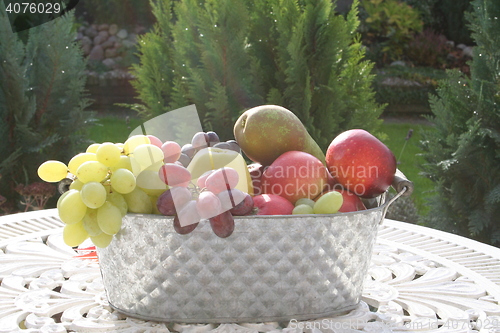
<point x="122" y="181"/>
<point x="119" y="201"/>
<point x="93" y="194"/>
<point x="138" y="202"/>
<point x="76" y="185"/>
<point x="90" y="223"/>
<point x="108" y="154"/>
<point x="155" y="167"/>
<point x="133" y="142"/>
<point x="61" y="198"/>
<point x="74" y="234"/>
<point x="149" y="181"/>
<point x="303" y="209"/>
<point x="72" y="209"/>
<point x="328" y="203"/>
<point x="79" y="159"/>
<point x="147" y="155"/>
<point x="123" y="163"/>
<point x="135" y="167"/>
<point x="92" y="171"/>
<point x="52" y="171"/>
<point x="154" y="200"/>
<point x="93" y="148"/>
<point x="109" y="218"/>
<point x="102" y="240"/>
<point x="305" y="201"/>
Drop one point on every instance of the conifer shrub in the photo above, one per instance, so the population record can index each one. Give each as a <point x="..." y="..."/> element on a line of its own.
<point x="42" y="100"/>
<point x="229" y="55"/>
<point x="463" y="152"/>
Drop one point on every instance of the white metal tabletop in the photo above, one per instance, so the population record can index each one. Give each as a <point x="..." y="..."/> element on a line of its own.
<point x="420" y="280"/>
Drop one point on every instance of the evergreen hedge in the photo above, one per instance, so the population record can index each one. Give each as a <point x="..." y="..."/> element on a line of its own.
<point x="463" y="153"/>
<point x="226" y="56"/>
<point x="42" y="100"/>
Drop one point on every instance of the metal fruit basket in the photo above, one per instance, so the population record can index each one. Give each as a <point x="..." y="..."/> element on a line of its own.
<point x="272" y="268"/>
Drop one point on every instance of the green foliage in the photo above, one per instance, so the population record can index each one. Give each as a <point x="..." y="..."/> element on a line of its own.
<point x="428" y="48"/>
<point x="155" y="72"/>
<point x="404" y="85"/>
<point x="41" y="99"/>
<point x="463" y="154"/>
<point x="227" y="56"/>
<point x="391" y="24"/>
<point x="427" y="10"/>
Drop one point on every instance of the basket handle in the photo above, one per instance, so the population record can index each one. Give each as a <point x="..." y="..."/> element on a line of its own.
<point x="400" y="182"/>
<point x="403" y="187"/>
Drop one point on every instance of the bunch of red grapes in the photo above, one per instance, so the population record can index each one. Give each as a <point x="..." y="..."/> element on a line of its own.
<point x="214" y="197"/>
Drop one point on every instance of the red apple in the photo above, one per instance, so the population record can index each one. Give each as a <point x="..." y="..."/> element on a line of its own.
<point x="294" y="175"/>
<point x="352" y="203"/>
<point x="361" y="163"/>
<point x="271" y="204"/>
<point x="331" y="184"/>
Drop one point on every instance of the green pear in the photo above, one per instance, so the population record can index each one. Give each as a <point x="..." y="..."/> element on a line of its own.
<point x="267" y="131"/>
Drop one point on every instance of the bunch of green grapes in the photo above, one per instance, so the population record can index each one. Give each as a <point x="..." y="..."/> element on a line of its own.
<point x="108" y="180"/>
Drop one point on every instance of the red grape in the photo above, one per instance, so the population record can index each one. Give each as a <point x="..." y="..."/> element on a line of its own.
<point x="222" y="179"/>
<point x="200" y="140"/>
<point x="154" y="140"/>
<point x="208" y="205"/>
<point x="203" y="178"/>
<point x="222" y="224"/>
<point x="223" y="145"/>
<point x="171" y="151"/>
<point x="172" y="200"/>
<point x="234" y="145"/>
<point x="244" y="207"/>
<point x="213" y="138"/>
<point x="230" y="198"/>
<point x="174" y="175"/>
<point x="189" y="150"/>
<point x="184" y="160"/>
<point x="188" y="214"/>
<point x="183" y="230"/>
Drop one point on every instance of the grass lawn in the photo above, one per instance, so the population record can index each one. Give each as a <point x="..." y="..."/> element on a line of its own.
<point x="409" y="158"/>
<point x="114" y="129"/>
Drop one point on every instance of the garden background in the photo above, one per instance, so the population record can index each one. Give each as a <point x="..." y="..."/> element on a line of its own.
<point x="422" y="75"/>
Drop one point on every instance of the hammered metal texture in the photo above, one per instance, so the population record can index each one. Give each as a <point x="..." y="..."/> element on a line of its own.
<point x="271" y="268"/>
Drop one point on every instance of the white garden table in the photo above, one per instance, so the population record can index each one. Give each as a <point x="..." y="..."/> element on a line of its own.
<point x="420" y="280"/>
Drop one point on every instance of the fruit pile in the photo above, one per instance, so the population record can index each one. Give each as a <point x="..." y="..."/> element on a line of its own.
<point x="208" y="180"/>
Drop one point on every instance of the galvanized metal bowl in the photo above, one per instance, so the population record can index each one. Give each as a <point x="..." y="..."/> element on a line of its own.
<point x="272" y="268"/>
